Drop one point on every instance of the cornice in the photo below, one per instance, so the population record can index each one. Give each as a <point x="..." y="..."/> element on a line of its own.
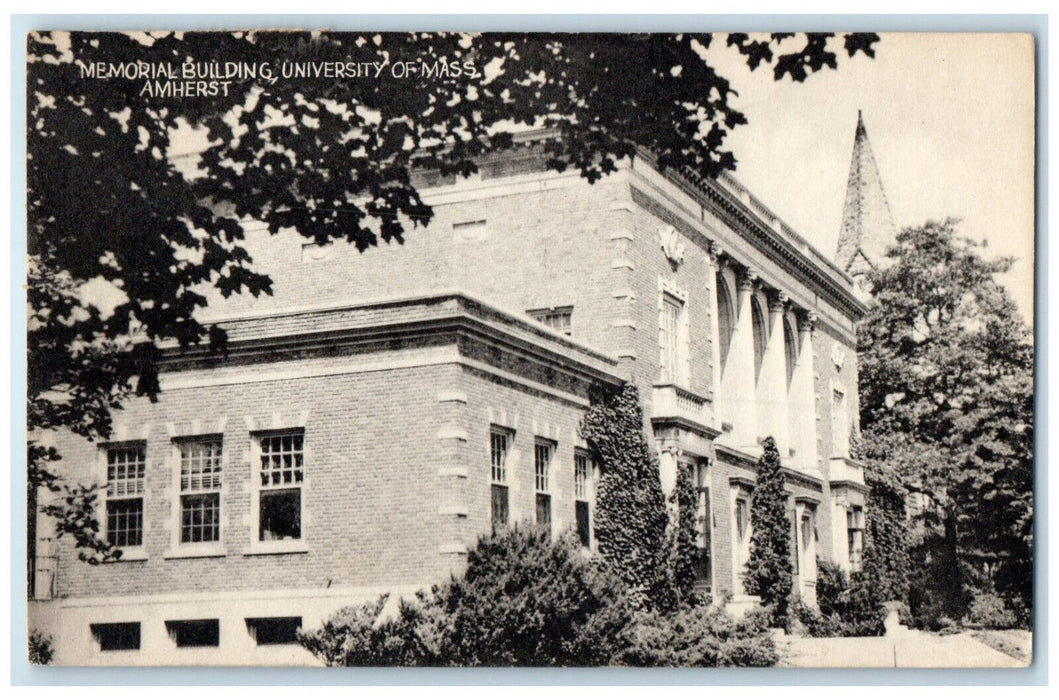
<point x="684" y="423"/>
<point x="455" y="319"/>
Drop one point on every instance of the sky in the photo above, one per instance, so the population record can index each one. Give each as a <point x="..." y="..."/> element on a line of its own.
<point x="950" y="118"/>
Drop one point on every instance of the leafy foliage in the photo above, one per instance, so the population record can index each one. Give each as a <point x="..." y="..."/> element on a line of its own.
<point x="630" y="516"/>
<point x="852" y="606"/>
<point x="682" y="534"/>
<point x="769" y="572"/>
<point x="41" y="650"/>
<point x="522" y="601"/>
<point x="527" y="601"/>
<point x="699" y="636"/>
<point x="887" y="541"/>
<point x="989" y="610"/>
<point x="946" y="397"/>
<point x="128" y="237"/>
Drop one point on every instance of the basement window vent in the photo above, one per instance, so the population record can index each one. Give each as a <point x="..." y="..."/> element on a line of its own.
<point x="117" y="636"/>
<point x="194" y="633"/>
<point x="273" y="630"/>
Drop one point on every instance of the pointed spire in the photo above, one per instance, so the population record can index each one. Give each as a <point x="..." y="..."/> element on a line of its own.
<point x="867" y="224"/>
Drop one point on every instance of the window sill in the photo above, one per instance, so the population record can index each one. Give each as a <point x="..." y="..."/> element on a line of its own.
<point x="130" y="554"/>
<point x="195" y="552"/>
<point x="277" y="547"/>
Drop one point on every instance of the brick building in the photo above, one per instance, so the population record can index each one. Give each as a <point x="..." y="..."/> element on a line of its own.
<point x="377" y="413"/>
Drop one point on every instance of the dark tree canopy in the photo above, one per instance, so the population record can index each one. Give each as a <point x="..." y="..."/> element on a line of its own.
<point x="113" y="206"/>
<point x="946" y="397"/>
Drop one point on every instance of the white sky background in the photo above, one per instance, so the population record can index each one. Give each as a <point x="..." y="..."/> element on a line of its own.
<point x="950" y="118"/>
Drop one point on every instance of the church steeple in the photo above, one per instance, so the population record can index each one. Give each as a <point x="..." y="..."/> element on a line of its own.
<point x="867" y="224"/>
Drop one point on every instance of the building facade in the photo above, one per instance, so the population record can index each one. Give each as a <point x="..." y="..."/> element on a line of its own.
<point x="382" y="410"/>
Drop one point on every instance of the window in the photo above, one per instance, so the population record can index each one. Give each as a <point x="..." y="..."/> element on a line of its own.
<point x="760" y="336"/>
<point x="725" y="320"/>
<point x="499" y="442"/>
<point x="703" y="529"/>
<point x="670" y="339"/>
<point x="116" y="636"/>
<point x="855" y="536"/>
<point x="742" y="518"/>
<point x="741" y="545"/>
<point x="200" y="490"/>
<point x="807" y="530"/>
<point x="280" y="497"/>
<point x="839" y="424"/>
<point x="126" y="465"/>
<point x="194" y="633"/>
<point x="267" y="631"/>
<point x="542" y="461"/>
<point x="558" y="318"/>
<point x="582" y="497"/>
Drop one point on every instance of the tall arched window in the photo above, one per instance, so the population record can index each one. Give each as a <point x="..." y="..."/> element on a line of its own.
<point x="790" y="349"/>
<point x="760" y="337"/>
<point x="725" y="320"/>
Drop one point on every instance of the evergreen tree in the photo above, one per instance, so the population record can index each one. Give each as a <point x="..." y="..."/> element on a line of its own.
<point x="769" y="573"/>
<point x="680" y="539"/>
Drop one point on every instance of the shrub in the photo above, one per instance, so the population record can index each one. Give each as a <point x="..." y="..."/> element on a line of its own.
<point x="831" y="584"/>
<point x="849" y="606"/>
<point x="525" y="601"/>
<point x="355" y="636"/>
<point x="768" y="570"/>
<point x="989" y="610"/>
<point x="699" y="635"/>
<point x="40" y="648"/>
<point x="814" y="623"/>
<point x="522" y="601"/>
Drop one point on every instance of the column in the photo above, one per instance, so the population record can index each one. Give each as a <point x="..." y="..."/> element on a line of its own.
<point x="772" y="387"/>
<point x="802" y="398"/>
<point x="714" y="266"/>
<point x="739" y="384"/>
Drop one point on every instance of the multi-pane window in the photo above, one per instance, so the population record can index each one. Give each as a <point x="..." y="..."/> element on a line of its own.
<point x="126" y="466"/>
<point x="672" y="356"/>
<point x="200" y="490"/>
<point x="582" y="497"/>
<point x="543" y="450"/>
<point x="499" y="444"/>
<point x="559" y="319"/>
<point x="855" y="536"/>
<point x="282" y="472"/>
